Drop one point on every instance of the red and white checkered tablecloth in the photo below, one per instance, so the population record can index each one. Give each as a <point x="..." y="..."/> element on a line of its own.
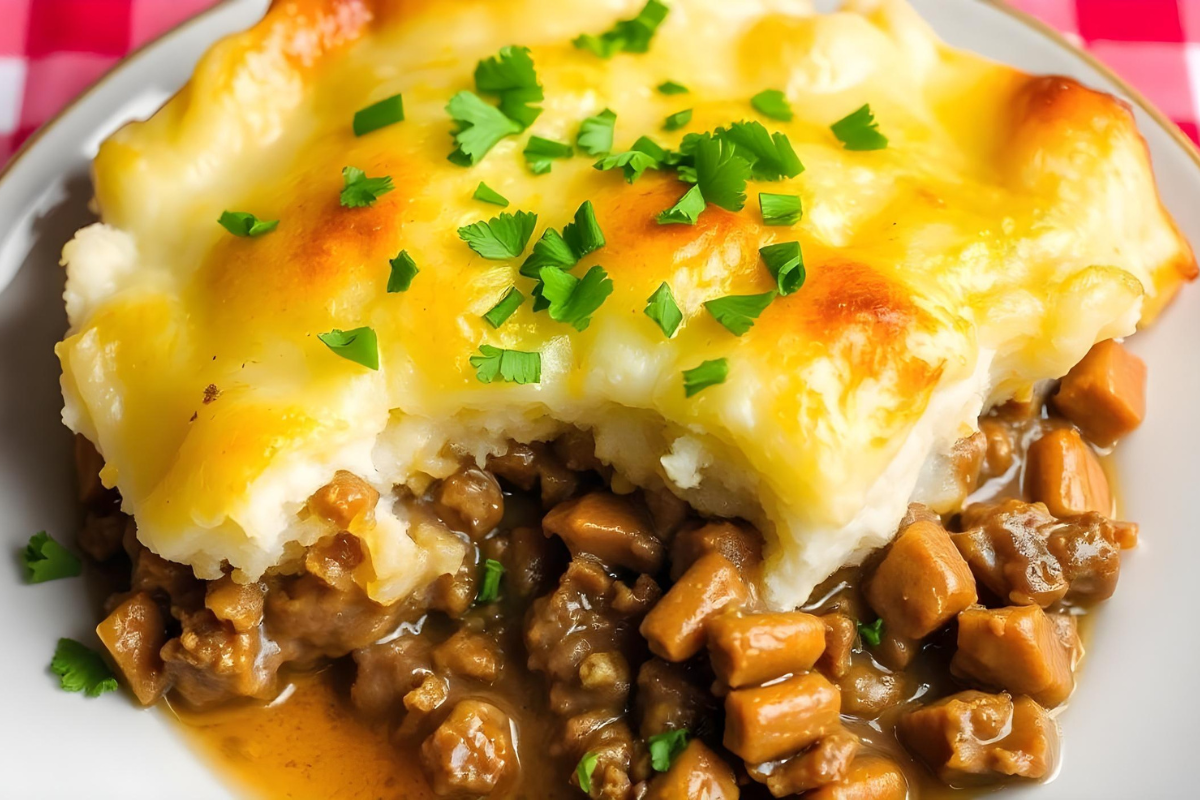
<point x="50" y="50"/>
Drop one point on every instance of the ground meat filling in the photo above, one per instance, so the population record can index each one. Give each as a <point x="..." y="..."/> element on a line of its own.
<point x="630" y="628"/>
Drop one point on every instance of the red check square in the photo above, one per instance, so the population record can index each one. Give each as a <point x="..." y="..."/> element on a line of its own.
<point x="1130" y="20"/>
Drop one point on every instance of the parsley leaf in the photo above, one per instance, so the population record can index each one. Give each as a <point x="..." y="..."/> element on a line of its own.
<point x="671" y="87"/>
<point x="358" y="345"/>
<point x="721" y="174"/>
<point x="677" y="120"/>
<point x="81" y="669"/>
<point x="772" y="103"/>
<point x="632" y="162"/>
<point x="578" y="239"/>
<point x="666" y="747"/>
<point x="629" y="35"/>
<point x="504" y="309"/>
<point x="737" y="312"/>
<point x="584" y="770"/>
<point x="379" y="115"/>
<point x="241" y="223"/>
<point x="574" y="300"/>
<point x="539" y="152"/>
<point x="479" y="127"/>
<point x="662" y="308"/>
<point x="785" y="262"/>
<point x="686" y="211"/>
<point x="510" y="76"/>
<point x="596" y="133"/>
<point x="709" y="373"/>
<point x="404" y="269"/>
<point x="871" y="634"/>
<point x="487" y="194"/>
<point x="780" y="209"/>
<point x="513" y="366"/>
<point x="501" y="237"/>
<point x="360" y="191"/>
<point x="489" y="584"/>
<point x="47" y="560"/>
<point x="770" y="155"/>
<point x="859" y="131"/>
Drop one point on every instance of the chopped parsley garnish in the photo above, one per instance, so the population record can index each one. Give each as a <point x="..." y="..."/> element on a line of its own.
<point x="505" y="308"/>
<point x="721" y="174"/>
<point x="710" y="373"/>
<point x="379" y="115"/>
<point x="578" y="239"/>
<point x="512" y="366"/>
<point x="584" y="770"/>
<point x="510" y="76"/>
<point x="671" y="87"/>
<point x="646" y="145"/>
<point x="241" y="223"/>
<point x="489" y="584"/>
<point x="501" y="237"/>
<point x="677" y="120"/>
<point x="573" y="300"/>
<point x="487" y="194"/>
<point x="686" y="211"/>
<point x="632" y="162"/>
<point x="360" y="191"/>
<point x="737" y="312"/>
<point x="859" y="131"/>
<point x="771" y="156"/>
<point x="871" y="634"/>
<point x="596" y="133"/>
<point x="539" y="153"/>
<point x="662" y="308"/>
<point x="666" y="747"/>
<point x="772" y="103"/>
<point x="479" y="127"/>
<point x="358" y="345"/>
<point x="47" y="560"/>
<point x="81" y="669"/>
<point x="404" y="269"/>
<point x="785" y="262"/>
<point x="780" y="209"/>
<point x="628" y="35"/>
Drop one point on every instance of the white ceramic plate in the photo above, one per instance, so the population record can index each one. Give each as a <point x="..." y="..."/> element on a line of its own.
<point x="1130" y="730"/>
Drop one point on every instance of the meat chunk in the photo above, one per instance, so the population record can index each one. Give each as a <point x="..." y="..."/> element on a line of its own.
<point x="210" y="662"/>
<point x="609" y="527"/>
<point x="134" y="633"/>
<point x="470" y="500"/>
<point x="241" y="605"/>
<point x="1105" y="393"/>
<point x="470" y="655"/>
<point x="471" y="752"/>
<point x="840" y="633"/>
<point x="1063" y="472"/>
<point x="334" y="559"/>
<point x="1015" y="648"/>
<point x="531" y="559"/>
<point x="697" y="774"/>
<point x="738" y="543"/>
<point x="762" y="647"/>
<point x="921" y="583"/>
<point x="769" y="722"/>
<point x="868" y="778"/>
<point x="428" y="696"/>
<point x="671" y="697"/>
<point x="343" y="499"/>
<point x="998" y="456"/>
<point x="868" y="690"/>
<point x="1026" y="556"/>
<point x="527" y="465"/>
<point x="972" y="738"/>
<point x="677" y="627"/>
<point x="825" y="762"/>
<point x="386" y="672"/>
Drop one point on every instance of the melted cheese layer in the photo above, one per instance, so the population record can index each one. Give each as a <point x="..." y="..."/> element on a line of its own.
<point x="1012" y="222"/>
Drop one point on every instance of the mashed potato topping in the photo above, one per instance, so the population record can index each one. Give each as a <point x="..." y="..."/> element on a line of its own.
<point x="1010" y="224"/>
